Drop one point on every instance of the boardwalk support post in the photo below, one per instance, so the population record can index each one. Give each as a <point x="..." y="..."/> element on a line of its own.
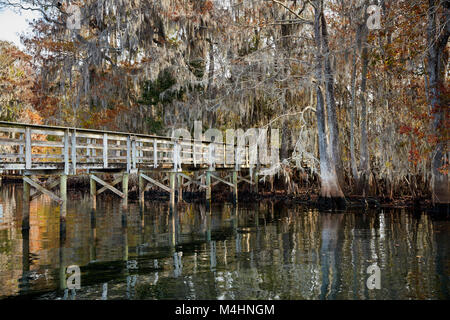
<point x="255" y="180"/>
<point x="125" y="178"/>
<point x="141" y="189"/>
<point x="172" y="182"/>
<point x="26" y="206"/>
<point x="180" y="187"/>
<point x="93" y="192"/>
<point x="63" y="194"/>
<point x="235" y="187"/>
<point x="208" y="185"/>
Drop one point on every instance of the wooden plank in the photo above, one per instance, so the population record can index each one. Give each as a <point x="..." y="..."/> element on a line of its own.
<point x="165" y="188"/>
<point x="90" y="135"/>
<point x="41" y="189"/>
<point x="12" y="166"/>
<point x="46" y="156"/>
<point x="90" y="146"/>
<point x="51" y="144"/>
<point x="103" y="183"/>
<point x="13" y="130"/>
<point x="10" y="155"/>
<point x="11" y="142"/>
<point x="47" y="132"/>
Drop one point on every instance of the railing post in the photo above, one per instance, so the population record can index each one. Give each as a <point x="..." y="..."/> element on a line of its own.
<point x="28" y="162"/>
<point x="128" y="153"/>
<point x="105" y="150"/>
<point x="211" y="156"/>
<point x="88" y="150"/>
<point x="247" y="150"/>
<point x="133" y="151"/>
<point x="118" y="146"/>
<point x="66" y="152"/>
<point x="176" y="156"/>
<point x="155" y="154"/>
<point x="74" y="152"/>
<point x="224" y="154"/>
<point x="194" y="153"/>
<point x="21" y="147"/>
<point x="94" y="150"/>
<point x="237" y="157"/>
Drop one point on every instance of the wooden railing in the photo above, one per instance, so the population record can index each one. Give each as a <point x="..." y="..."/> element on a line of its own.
<point x="32" y="147"/>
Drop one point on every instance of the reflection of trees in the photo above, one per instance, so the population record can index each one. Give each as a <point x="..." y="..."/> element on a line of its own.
<point x="265" y="251"/>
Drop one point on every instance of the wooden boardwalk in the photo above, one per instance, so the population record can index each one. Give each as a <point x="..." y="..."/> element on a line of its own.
<point x="31" y="151"/>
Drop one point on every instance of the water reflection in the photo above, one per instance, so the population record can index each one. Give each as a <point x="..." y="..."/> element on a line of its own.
<point x="260" y="251"/>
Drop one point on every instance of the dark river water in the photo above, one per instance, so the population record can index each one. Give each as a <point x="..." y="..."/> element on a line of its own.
<point x="261" y="250"/>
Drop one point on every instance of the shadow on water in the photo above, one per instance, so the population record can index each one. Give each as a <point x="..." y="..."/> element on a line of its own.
<point x="262" y="250"/>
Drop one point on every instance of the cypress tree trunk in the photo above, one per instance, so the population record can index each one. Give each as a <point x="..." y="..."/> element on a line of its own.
<point x="330" y="193"/>
<point x="437" y="60"/>
<point x="352" y="120"/>
<point x="331" y="103"/>
<point x="364" y="139"/>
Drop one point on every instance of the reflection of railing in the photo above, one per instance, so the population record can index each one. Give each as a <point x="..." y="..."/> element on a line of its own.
<point x="26" y="147"/>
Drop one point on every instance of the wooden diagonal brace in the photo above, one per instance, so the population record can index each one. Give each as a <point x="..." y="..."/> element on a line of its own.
<point x="50" y="186"/>
<point x="192" y="180"/>
<point x="108" y="186"/>
<point x="221" y="180"/>
<point x="156" y="183"/>
<point x="217" y="182"/>
<point x="42" y="189"/>
<point x="112" y="185"/>
<point x="241" y="179"/>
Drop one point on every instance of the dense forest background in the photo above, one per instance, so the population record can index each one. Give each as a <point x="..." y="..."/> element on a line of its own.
<point x="365" y="110"/>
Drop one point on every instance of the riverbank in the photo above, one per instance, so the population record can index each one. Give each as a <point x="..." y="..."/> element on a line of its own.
<point x="305" y="196"/>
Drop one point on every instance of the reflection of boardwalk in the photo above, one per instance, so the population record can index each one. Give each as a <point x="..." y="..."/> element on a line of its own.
<point x="59" y="152"/>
